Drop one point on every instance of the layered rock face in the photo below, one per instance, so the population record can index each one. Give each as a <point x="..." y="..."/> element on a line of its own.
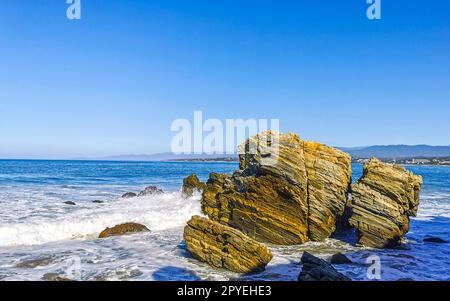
<point x="224" y="247"/>
<point x="191" y="185"/>
<point x="382" y="202"/>
<point x="287" y="190"/>
<point x="329" y="177"/>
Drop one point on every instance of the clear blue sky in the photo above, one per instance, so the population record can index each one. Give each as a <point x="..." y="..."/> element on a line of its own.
<point x="113" y="82"/>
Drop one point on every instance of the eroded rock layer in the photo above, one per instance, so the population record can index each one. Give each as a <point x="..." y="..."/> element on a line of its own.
<point x="329" y="177"/>
<point x="191" y="185"/>
<point x="224" y="247"/>
<point x="287" y="190"/>
<point x="382" y="202"/>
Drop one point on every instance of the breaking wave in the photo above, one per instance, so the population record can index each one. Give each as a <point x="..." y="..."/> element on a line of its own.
<point x="157" y="212"/>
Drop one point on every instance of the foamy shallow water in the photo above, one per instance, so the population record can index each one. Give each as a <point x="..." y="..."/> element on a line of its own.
<point x="40" y="235"/>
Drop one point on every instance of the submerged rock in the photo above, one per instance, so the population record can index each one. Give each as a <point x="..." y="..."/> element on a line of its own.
<point x="435" y="240"/>
<point x="70" y="203"/>
<point x="191" y="185"/>
<point x="35" y="262"/>
<point x="340" y="258"/>
<point x="224" y="247"/>
<point x="129" y="195"/>
<point x="98" y="202"/>
<point x="316" y="269"/>
<point x="123" y="229"/>
<point x="382" y="202"/>
<point x="287" y="190"/>
<point x="150" y="190"/>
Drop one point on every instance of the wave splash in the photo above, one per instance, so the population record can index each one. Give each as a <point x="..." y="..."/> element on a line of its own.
<point x="157" y="212"/>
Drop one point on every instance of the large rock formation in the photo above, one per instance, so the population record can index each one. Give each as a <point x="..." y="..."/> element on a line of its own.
<point x="382" y="201"/>
<point x="223" y="247"/>
<point x="316" y="269"/>
<point x="329" y="176"/>
<point x="287" y="190"/>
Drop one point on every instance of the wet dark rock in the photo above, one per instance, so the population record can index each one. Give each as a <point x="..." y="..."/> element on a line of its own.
<point x="70" y="203"/>
<point x="401" y="256"/>
<point x="150" y="190"/>
<point x="402" y="247"/>
<point x="340" y="258"/>
<point x="435" y="240"/>
<point x="129" y="195"/>
<point x="34" y="263"/>
<point x="98" y="202"/>
<point x="123" y="229"/>
<point x="316" y="269"/>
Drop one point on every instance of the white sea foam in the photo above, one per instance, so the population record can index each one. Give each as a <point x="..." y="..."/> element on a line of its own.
<point x="157" y="212"/>
<point x="436" y="204"/>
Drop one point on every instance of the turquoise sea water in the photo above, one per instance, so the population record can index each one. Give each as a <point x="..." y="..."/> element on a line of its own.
<point x="41" y="235"/>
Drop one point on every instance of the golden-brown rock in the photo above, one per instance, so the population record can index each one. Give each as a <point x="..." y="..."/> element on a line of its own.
<point x="224" y="247"/>
<point x="382" y="202"/>
<point x="191" y="185"/>
<point x="286" y="191"/>
<point x="267" y="198"/>
<point x="123" y="229"/>
<point x="329" y="174"/>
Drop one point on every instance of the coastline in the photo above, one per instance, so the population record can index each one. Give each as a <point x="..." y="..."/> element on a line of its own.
<point x="69" y="232"/>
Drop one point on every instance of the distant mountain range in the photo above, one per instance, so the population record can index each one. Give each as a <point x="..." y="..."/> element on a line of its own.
<point x="170" y="157"/>
<point x="399" y="151"/>
<point x="379" y="151"/>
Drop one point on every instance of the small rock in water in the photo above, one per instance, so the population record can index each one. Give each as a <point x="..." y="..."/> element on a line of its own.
<point x="98" y="202"/>
<point x="34" y="263"/>
<point x="435" y="240"/>
<point x="405" y="279"/>
<point x="123" y="229"/>
<point x="316" y="269"/>
<point x="55" y="278"/>
<point x="192" y="184"/>
<point x="70" y="203"/>
<point x="150" y="190"/>
<point x="340" y="258"/>
<point x="129" y="195"/>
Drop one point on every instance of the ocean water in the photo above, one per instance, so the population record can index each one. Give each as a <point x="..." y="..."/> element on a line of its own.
<point x="41" y="236"/>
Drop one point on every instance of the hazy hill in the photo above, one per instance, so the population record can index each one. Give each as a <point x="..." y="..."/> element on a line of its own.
<point x="399" y="151"/>
<point x="379" y="151"/>
<point x="167" y="157"/>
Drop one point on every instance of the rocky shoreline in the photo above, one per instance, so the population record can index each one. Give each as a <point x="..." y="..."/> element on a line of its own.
<point x="296" y="192"/>
<point x="287" y="192"/>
